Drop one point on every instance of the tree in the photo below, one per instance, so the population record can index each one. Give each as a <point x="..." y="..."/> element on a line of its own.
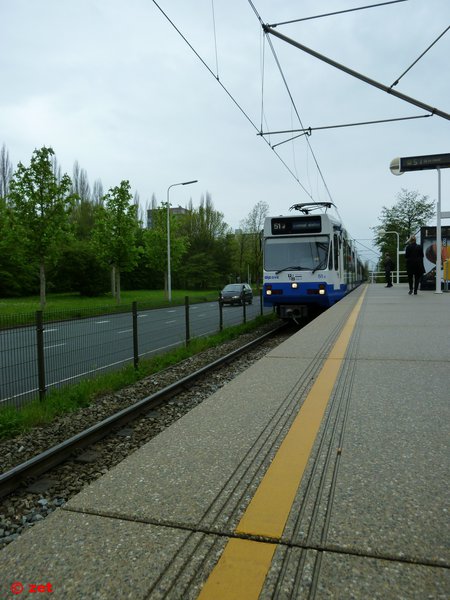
<point x="97" y="192"/>
<point x="80" y="183"/>
<point x="6" y="171"/>
<point x="251" y="246"/>
<point x="80" y="270"/>
<point x="208" y="234"/>
<point x="41" y="207"/>
<point x="56" y="168"/>
<point x="83" y="219"/>
<point x="200" y="272"/>
<point x="143" y="276"/>
<point x="224" y="257"/>
<point x="16" y="276"/>
<point x="115" y="232"/>
<point x="411" y="212"/>
<point x="83" y="215"/>
<point x="156" y="242"/>
<point x="205" y="223"/>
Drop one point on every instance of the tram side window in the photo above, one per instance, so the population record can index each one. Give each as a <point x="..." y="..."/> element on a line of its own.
<point x="346" y="260"/>
<point x="336" y="252"/>
<point x="330" y="255"/>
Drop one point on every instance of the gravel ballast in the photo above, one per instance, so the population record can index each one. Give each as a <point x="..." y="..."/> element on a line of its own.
<point x="29" y="505"/>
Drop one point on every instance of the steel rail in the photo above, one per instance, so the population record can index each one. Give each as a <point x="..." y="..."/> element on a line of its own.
<point x="50" y="458"/>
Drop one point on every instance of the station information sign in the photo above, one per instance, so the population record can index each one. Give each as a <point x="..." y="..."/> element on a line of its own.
<point x="420" y="163"/>
<point x="293" y="225"/>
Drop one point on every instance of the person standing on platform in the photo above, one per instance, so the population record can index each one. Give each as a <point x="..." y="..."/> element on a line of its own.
<point x="388" y="268"/>
<point x="414" y="264"/>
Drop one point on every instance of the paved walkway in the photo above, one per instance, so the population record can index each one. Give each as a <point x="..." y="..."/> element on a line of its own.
<point x="321" y="472"/>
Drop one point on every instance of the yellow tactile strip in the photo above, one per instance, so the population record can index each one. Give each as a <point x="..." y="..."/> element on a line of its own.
<point x="241" y="570"/>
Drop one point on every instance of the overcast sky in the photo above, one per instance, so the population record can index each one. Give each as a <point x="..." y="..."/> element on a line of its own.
<point x="113" y="86"/>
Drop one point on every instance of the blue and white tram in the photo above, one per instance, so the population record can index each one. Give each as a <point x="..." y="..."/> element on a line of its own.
<point x="309" y="262"/>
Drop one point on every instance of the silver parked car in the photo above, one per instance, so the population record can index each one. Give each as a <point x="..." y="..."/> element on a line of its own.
<point x="236" y="293"/>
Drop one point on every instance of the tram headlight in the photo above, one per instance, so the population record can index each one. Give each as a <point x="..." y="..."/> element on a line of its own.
<point x="268" y="290"/>
<point x="294" y="285"/>
<point x="322" y="289"/>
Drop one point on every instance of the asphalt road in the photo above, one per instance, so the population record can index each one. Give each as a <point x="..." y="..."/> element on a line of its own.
<point x="79" y="348"/>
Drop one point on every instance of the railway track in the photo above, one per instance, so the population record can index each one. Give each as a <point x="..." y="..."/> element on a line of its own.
<point x="68" y="466"/>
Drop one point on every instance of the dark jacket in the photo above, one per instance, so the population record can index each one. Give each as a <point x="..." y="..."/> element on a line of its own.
<point x="388" y="264"/>
<point x="414" y="258"/>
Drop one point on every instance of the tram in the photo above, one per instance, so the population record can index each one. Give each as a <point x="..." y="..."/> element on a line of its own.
<point x="310" y="262"/>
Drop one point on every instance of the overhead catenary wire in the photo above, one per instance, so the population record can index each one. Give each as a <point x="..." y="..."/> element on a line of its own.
<point x="235" y="102"/>
<point x="380" y="86"/>
<point x="309" y="130"/>
<point x="357" y="241"/>
<point x="215" y="38"/>
<point x="258" y="16"/>
<point x="204" y="63"/>
<point x="299" y="119"/>
<point x="417" y="59"/>
<point x="339" y="12"/>
<point x="263" y="62"/>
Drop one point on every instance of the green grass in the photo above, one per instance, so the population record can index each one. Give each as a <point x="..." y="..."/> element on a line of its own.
<point x="68" y="399"/>
<point x="75" y="302"/>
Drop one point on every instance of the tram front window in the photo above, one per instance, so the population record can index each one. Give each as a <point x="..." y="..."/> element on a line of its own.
<point x="296" y="254"/>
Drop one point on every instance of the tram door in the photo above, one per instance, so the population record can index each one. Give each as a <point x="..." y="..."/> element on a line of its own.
<point x="337" y="253"/>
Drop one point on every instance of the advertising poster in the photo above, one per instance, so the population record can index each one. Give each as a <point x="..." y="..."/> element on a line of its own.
<point x="428" y="241"/>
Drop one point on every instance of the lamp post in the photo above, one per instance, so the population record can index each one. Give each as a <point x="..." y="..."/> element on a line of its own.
<point x="438" y="237"/>
<point x="169" y="282"/>
<point x="383" y="232"/>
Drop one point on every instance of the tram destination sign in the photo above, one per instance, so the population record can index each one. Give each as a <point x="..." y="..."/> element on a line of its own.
<point x="420" y="163"/>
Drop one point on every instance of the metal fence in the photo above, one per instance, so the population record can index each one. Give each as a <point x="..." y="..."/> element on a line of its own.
<point x="380" y="277"/>
<point x="40" y="351"/>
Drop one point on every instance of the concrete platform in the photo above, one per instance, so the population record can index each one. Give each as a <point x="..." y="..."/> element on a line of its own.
<point x="368" y="520"/>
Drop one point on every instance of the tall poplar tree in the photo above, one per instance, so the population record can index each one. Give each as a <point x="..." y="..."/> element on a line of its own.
<point x="209" y="259"/>
<point x="6" y="171"/>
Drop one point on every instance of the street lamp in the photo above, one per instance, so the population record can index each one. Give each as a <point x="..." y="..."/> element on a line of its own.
<point x="383" y="232"/>
<point x="169" y="282"/>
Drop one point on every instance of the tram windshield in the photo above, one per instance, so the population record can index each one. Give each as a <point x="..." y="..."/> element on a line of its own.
<point x="296" y="254"/>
